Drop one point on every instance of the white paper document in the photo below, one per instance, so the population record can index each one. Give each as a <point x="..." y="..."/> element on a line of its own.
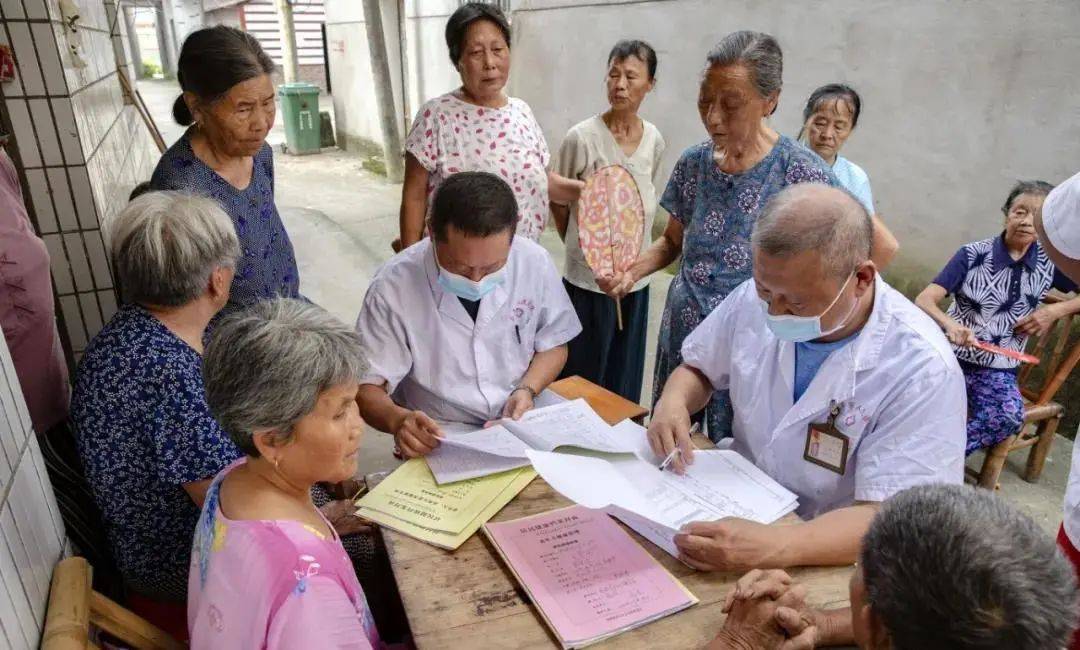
<point x="505" y="445"/>
<point x="657" y="504"/>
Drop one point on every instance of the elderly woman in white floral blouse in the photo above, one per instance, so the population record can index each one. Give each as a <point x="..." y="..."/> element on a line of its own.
<point x="479" y="128"/>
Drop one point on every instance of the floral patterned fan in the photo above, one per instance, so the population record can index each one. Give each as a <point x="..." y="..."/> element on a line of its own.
<point x="611" y="222"/>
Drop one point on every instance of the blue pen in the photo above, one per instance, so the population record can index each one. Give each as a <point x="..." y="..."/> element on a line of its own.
<point x="517" y="331"/>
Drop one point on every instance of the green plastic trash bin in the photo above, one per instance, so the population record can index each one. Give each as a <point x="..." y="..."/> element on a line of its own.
<point x="300" y="108"/>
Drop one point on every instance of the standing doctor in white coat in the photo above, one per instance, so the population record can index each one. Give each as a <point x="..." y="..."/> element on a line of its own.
<point x="843" y="390"/>
<point x="1058" y="227"/>
<point x="466" y="326"/>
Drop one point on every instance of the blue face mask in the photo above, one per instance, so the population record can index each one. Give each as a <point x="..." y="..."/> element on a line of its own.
<point x="800" y="329"/>
<point x="463" y="287"/>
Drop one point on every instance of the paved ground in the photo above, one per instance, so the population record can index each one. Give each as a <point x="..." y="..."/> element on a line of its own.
<point x="342" y="219"/>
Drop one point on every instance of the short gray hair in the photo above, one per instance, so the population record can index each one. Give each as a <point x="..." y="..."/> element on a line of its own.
<point x="165" y="245"/>
<point x="816" y="217"/>
<point x="953" y="567"/>
<point x="266" y="366"/>
<point x="757" y="51"/>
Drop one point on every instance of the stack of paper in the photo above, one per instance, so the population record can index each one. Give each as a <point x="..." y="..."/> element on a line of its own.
<point x="410" y="502"/>
<point x="657" y="504"/>
<point x="588" y="578"/>
<point x="503" y="446"/>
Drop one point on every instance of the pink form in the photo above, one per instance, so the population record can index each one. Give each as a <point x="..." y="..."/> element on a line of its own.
<point x="586" y="574"/>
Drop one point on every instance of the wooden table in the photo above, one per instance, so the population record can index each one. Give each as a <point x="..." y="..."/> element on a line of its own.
<point x="468" y="599"/>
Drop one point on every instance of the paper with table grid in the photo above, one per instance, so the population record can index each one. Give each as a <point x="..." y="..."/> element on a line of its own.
<point x="657" y="504"/>
<point x="503" y="446"/>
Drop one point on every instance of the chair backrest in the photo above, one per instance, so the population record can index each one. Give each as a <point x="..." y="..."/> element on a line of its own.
<point x="75" y="609"/>
<point x="1056" y="363"/>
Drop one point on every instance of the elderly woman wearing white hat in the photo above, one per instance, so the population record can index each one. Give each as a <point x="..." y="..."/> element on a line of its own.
<point x="1058" y="227"/>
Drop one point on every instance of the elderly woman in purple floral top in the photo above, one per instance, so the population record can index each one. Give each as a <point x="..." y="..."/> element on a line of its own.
<point x="714" y="194"/>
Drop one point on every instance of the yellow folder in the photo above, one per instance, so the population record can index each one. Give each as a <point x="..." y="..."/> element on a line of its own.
<point x="411" y="502"/>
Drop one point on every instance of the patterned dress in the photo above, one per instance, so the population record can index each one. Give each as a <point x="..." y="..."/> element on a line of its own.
<point x="451" y="135"/>
<point x="267" y="265"/>
<point x="273" y="584"/>
<point x="717" y="211"/>
<point x="992" y="293"/>
<point x="144" y="429"/>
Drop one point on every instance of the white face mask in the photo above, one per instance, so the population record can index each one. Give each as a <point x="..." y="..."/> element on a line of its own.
<point x="463" y="287"/>
<point x="800" y="329"/>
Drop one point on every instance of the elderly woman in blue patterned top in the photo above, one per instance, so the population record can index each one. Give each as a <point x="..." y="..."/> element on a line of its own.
<point x="997" y="284"/>
<point x="829" y="117"/>
<point x="229" y="98"/>
<point x="714" y="195"/>
<point x="147" y="439"/>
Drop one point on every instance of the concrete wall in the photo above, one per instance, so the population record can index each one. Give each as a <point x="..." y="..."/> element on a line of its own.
<point x="185" y="15"/>
<point x="425" y="72"/>
<point x="960" y="98"/>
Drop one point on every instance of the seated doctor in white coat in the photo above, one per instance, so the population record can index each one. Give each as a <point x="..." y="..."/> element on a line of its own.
<point x="465" y="326"/>
<point x="843" y="390"/>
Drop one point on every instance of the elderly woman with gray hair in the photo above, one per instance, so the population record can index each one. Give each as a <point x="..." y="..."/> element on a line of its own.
<point x="715" y="193"/>
<point x="941" y="568"/>
<point x="147" y="439"/>
<point x="282" y="378"/>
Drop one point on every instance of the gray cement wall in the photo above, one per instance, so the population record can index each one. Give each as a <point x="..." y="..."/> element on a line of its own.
<point x="423" y="73"/>
<point x="961" y="98"/>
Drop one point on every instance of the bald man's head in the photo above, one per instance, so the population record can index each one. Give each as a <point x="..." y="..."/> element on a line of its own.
<point x="816" y="217"/>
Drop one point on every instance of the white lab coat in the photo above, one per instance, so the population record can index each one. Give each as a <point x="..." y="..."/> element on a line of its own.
<point x="420" y="341"/>
<point x="902" y="396"/>
<point x="1072" y="497"/>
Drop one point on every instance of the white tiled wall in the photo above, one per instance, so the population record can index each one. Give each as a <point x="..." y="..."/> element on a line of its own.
<point x="79" y="146"/>
<point x="31" y="532"/>
<point x="80" y="149"/>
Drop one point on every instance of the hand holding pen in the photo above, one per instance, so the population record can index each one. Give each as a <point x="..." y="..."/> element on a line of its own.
<point x="675" y="452"/>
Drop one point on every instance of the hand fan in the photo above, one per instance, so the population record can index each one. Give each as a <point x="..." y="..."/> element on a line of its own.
<point x="1005" y="352"/>
<point x="611" y="223"/>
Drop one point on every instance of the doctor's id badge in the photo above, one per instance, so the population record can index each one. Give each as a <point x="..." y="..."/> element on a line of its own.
<point x="826" y="446"/>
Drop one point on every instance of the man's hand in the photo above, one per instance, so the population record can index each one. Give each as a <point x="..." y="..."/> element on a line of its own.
<point x="616" y="285"/>
<point x="520" y="401"/>
<point x="750" y="625"/>
<point x="960" y="335"/>
<point x="800" y="626"/>
<point x="668" y="429"/>
<point x="342" y="517"/>
<point x="416" y="434"/>
<point x="798" y="622"/>
<point x="731" y="544"/>
<point x="1038" y="322"/>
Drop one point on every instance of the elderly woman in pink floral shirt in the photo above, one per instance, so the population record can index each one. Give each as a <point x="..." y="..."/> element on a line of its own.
<point x="478" y="128"/>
